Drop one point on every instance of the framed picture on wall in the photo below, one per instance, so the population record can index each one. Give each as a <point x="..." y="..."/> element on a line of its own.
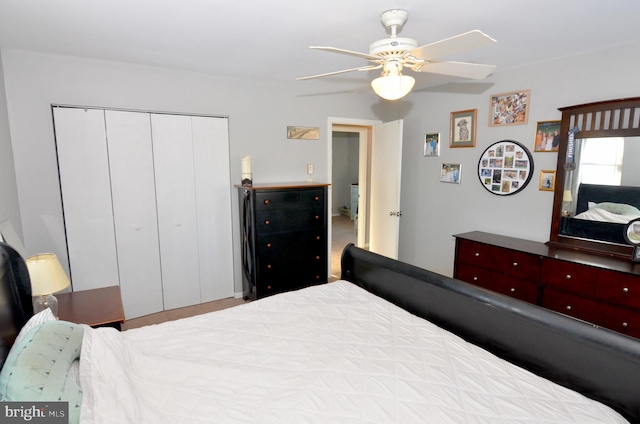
<point x="547" y="180"/>
<point x="509" y="108"/>
<point x="451" y="173"/>
<point x="462" y="131"/>
<point x="432" y="144"/>
<point x="547" y="136"/>
<point x="505" y="167"/>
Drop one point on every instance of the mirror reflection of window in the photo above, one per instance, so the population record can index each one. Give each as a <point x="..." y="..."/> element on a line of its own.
<point x="601" y="160"/>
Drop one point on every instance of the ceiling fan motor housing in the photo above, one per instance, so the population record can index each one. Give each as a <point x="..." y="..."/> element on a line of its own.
<point x="392" y="46"/>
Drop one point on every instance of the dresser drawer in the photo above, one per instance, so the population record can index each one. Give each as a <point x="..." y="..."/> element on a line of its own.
<point x="618" y="288"/>
<point x="573" y="277"/>
<point x="278" y="221"/>
<point x="498" y="282"/>
<point x="569" y="304"/>
<point x="289" y="199"/>
<point x="511" y="262"/>
<point x="618" y="319"/>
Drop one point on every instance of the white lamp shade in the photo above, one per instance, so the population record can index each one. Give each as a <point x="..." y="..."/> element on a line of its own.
<point x="566" y="196"/>
<point x="393" y="87"/>
<point x="46" y="274"/>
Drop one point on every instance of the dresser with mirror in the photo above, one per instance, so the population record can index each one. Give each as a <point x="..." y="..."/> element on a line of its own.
<point x="585" y="270"/>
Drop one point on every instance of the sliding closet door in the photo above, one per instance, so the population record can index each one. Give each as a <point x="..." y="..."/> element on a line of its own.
<point x="86" y="195"/>
<point x="213" y="206"/>
<point x="134" y="211"/>
<point x="177" y="218"/>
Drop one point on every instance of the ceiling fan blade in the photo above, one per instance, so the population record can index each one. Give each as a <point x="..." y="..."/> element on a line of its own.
<point x="361" y="68"/>
<point x="450" y="46"/>
<point x="347" y="52"/>
<point x="459" y="69"/>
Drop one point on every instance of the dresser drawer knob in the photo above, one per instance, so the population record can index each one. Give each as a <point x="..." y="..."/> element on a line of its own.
<point x="568" y="307"/>
<point x="568" y="277"/>
<point x="513" y="289"/>
<point x="625" y="325"/>
<point x="267" y="201"/>
<point x="515" y="264"/>
<point x="625" y="290"/>
<point x="267" y="222"/>
<point x="475" y="278"/>
<point x="477" y="254"/>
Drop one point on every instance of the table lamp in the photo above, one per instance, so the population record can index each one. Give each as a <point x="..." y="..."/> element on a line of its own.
<point x="47" y="277"/>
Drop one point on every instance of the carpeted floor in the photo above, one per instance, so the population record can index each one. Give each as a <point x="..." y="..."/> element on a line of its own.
<point x="343" y="233"/>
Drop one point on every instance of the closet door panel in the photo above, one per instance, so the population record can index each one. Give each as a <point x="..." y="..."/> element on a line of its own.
<point x="86" y="196"/>
<point x="213" y="203"/>
<point x="134" y="211"/>
<point x="177" y="217"/>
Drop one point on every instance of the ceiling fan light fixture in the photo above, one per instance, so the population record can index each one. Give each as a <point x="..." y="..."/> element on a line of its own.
<point x="393" y="87"/>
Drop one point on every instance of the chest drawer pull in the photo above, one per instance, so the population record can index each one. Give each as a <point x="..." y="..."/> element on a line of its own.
<point x="568" y="307"/>
<point x="269" y="245"/>
<point x="317" y="258"/>
<point x="317" y="216"/>
<point x="316" y="198"/>
<point x="267" y="201"/>
<point x="267" y="222"/>
<point x="625" y="290"/>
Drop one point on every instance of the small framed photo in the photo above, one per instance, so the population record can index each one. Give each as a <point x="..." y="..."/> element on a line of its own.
<point x="462" y="132"/>
<point x="509" y="108"/>
<point x="451" y="173"/>
<point x="547" y="136"/>
<point x="303" y="133"/>
<point x="547" y="180"/>
<point x="432" y="144"/>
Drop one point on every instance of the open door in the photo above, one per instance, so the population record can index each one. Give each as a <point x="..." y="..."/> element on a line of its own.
<point x="386" y="166"/>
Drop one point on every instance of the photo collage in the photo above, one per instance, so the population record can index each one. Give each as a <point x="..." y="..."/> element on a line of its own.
<point x="505" y="167"/>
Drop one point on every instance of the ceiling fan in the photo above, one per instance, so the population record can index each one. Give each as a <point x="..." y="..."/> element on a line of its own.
<point x="395" y="53"/>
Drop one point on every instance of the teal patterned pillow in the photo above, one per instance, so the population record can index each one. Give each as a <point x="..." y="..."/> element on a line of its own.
<point x="36" y="368"/>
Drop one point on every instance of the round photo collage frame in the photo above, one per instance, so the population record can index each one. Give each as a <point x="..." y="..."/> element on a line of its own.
<point x="505" y="167"/>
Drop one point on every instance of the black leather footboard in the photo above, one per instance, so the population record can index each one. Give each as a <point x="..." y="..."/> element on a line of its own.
<point x="599" y="363"/>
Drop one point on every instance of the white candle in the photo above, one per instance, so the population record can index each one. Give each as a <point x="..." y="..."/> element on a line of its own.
<point x="246" y="164"/>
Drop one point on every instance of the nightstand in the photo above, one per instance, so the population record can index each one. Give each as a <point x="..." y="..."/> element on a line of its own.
<point x="97" y="307"/>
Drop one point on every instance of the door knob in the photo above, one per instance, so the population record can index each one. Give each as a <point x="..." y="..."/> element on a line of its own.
<point x="395" y="213"/>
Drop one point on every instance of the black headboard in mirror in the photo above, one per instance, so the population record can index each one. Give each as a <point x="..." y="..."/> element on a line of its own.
<point x="616" y="122"/>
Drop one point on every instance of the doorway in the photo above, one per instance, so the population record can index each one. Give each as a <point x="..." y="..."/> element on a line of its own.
<point x="349" y="150"/>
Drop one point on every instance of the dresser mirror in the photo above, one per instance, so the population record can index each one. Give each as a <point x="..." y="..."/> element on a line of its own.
<point x="597" y="189"/>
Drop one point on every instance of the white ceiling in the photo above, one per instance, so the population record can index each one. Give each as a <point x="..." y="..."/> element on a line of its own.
<point x="268" y="40"/>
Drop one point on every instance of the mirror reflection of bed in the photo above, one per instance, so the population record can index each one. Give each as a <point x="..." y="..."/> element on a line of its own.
<point x="602" y="212"/>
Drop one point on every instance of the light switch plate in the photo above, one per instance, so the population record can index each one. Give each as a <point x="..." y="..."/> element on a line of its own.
<point x="309" y="169"/>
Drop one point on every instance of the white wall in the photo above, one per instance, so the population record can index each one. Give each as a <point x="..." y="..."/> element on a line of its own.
<point x="434" y="211"/>
<point x="9" y="208"/>
<point x="258" y="114"/>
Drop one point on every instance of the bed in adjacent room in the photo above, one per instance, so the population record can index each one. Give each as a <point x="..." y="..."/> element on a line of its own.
<point x="390" y="343"/>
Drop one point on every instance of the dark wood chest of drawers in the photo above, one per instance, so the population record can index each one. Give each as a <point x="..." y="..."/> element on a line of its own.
<point x="284" y="237"/>
<point x="602" y="290"/>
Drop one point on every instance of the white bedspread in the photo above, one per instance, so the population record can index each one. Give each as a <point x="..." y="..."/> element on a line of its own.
<point x="326" y="354"/>
<point x="597" y="214"/>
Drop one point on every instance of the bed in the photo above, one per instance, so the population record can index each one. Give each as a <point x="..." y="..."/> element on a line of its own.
<point x="388" y="343"/>
<point x="602" y="212"/>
